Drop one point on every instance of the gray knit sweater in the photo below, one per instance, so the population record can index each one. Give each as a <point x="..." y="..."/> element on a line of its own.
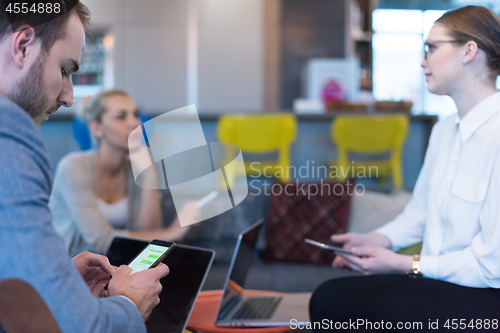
<point x="74" y="205"/>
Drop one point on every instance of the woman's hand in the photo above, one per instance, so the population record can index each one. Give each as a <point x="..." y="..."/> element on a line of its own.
<point x="351" y="239"/>
<point x="189" y="214"/>
<point x="95" y="270"/>
<point x="371" y="260"/>
<point x="347" y="241"/>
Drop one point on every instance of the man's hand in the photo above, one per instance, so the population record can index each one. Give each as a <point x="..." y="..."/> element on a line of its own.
<point x="143" y="288"/>
<point x="95" y="270"/>
<point x="377" y="260"/>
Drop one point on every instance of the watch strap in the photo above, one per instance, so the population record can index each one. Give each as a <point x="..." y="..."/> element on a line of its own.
<point x="415" y="272"/>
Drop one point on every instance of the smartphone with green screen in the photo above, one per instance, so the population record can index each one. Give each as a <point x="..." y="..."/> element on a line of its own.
<point x="152" y="255"/>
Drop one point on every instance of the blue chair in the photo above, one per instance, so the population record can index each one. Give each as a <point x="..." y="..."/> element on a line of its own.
<point x="82" y="134"/>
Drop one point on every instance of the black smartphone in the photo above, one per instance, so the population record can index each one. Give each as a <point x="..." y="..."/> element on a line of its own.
<point x="328" y="247"/>
<point x="151" y="255"/>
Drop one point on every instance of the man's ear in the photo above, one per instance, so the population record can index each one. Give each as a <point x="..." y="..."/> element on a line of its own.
<point x="22" y="45"/>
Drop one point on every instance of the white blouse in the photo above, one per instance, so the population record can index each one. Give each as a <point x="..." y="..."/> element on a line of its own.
<point x="455" y="209"/>
<point x="116" y="213"/>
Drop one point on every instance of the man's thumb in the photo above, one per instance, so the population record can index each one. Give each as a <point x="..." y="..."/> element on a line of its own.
<point x="123" y="270"/>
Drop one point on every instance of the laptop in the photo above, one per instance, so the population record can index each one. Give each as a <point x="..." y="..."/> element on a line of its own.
<point x="189" y="268"/>
<point x="236" y="309"/>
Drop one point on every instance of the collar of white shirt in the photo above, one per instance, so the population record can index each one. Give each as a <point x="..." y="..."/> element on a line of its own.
<point x="479" y="114"/>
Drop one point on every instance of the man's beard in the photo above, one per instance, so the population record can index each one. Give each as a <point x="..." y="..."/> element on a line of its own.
<point x="29" y="93"/>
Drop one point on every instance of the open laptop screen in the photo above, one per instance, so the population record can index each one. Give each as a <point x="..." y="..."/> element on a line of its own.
<point x="240" y="264"/>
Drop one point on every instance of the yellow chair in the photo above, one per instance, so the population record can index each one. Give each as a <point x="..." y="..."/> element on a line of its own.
<point x="260" y="134"/>
<point x="370" y="135"/>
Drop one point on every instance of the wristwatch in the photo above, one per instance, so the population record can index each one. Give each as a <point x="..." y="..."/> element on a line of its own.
<point x="414" y="272"/>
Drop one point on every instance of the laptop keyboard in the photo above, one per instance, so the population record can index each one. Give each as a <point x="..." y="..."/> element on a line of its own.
<point x="257" y="308"/>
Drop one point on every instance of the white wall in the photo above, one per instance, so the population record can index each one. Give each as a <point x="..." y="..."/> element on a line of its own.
<point x="231" y="56"/>
<point x="150" y="48"/>
<point x="151" y="51"/>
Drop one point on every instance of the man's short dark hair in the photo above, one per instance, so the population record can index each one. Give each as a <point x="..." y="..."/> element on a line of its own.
<point x="52" y="31"/>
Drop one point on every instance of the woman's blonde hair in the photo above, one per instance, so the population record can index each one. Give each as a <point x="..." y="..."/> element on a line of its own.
<point x="92" y="107"/>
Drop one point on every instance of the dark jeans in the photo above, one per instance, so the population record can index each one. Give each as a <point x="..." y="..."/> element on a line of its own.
<point x="397" y="303"/>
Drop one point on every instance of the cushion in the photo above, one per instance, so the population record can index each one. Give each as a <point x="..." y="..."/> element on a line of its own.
<point x="374" y="209"/>
<point x="307" y="210"/>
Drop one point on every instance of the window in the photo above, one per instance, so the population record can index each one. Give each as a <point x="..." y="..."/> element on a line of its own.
<point x="397" y="53"/>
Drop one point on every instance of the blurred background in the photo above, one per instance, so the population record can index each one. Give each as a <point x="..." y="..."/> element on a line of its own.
<point x="313" y="59"/>
<point x="261" y="55"/>
<point x="295" y="84"/>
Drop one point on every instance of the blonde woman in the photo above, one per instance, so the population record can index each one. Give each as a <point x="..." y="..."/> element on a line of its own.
<point x="95" y="198"/>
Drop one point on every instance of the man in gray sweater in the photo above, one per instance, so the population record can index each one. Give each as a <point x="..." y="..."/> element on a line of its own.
<point x="36" y="62"/>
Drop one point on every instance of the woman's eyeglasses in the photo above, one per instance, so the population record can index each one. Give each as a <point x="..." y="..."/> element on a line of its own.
<point x="430" y="47"/>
